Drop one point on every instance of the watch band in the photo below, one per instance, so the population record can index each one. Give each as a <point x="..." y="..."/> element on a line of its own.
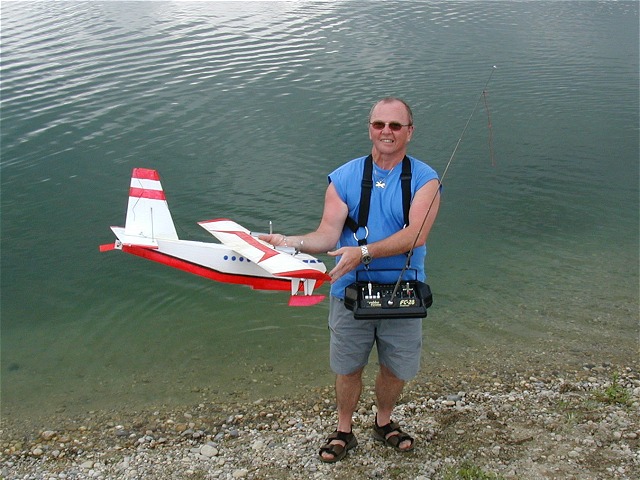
<point x="366" y="256"/>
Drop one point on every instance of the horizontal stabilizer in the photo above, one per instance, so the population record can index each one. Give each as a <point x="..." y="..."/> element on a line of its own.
<point x="134" y="240"/>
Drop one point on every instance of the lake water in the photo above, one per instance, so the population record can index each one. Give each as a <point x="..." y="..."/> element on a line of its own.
<point x="243" y="108"/>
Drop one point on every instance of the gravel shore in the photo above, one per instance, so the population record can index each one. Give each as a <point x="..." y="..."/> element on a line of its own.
<point x="580" y="424"/>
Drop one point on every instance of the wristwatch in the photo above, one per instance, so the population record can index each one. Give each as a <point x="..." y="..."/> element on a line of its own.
<point x="366" y="257"/>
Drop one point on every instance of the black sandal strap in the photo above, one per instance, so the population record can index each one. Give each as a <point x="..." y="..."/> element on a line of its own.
<point x="332" y="449"/>
<point x="338" y="451"/>
<point x="390" y="427"/>
<point x="396" y="439"/>
<point x="342" y="436"/>
<point x="392" y="434"/>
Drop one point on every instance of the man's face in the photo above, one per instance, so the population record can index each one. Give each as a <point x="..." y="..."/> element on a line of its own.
<point x="389" y="141"/>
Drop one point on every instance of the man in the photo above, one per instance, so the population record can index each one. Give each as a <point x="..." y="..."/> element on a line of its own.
<point x="388" y="240"/>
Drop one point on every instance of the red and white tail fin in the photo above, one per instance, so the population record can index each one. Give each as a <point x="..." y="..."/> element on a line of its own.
<point x="148" y="216"/>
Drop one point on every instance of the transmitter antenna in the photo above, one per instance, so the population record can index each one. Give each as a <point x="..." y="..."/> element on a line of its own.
<point x="444" y="173"/>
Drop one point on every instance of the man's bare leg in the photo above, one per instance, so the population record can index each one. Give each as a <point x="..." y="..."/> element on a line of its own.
<point x="348" y="390"/>
<point x="388" y="391"/>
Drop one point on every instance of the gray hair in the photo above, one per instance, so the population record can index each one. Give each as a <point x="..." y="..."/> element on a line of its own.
<point x="389" y="100"/>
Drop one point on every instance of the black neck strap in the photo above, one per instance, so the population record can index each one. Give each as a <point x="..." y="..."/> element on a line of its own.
<point x="365" y="196"/>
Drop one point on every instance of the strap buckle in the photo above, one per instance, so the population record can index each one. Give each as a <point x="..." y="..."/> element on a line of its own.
<point x="363" y="240"/>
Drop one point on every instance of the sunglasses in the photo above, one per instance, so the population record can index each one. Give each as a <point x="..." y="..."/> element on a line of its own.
<point x="394" y="126"/>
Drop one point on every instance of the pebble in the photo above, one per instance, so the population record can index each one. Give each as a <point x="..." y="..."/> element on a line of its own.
<point x="257" y="445"/>
<point x="48" y="435"/>
<point x="209" y="451"/>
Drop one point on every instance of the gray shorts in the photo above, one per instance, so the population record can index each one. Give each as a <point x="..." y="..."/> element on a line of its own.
<point x="398" y="341"/>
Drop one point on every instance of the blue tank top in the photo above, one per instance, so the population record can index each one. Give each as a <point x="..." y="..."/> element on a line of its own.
<point x="386" y="217"/>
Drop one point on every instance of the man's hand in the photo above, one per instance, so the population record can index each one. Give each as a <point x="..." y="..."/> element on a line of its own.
<point x="350" y="259"/>
<point x="275" y="239"/>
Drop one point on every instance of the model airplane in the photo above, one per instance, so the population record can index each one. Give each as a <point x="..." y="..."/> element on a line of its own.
<point x="242" y="258"/>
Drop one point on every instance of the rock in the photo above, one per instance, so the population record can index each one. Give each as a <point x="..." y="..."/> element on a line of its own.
<point x="48" y="435"/>
<point x="209" y="451"/>
<point x="240" y="473"/>
<point x="257" y="445"/>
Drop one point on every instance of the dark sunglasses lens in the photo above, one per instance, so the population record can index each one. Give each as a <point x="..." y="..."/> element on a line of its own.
<point x="395" y="126"/>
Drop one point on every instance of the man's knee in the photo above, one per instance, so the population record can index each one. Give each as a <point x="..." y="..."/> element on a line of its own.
<point x="355" y="375"/>
<point x="388" y="375"/>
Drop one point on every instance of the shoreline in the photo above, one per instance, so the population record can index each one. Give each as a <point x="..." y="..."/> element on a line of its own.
<point x="510" y="423"/>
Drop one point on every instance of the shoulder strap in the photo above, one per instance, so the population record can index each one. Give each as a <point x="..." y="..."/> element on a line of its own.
<point x="365" y="198"/>
<point x="405" y="180"/>
<point x="365" y="195"/>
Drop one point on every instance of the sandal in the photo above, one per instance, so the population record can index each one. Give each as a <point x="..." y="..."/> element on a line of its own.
<point x="338" y="451"/>
<point x="395" y="439"/>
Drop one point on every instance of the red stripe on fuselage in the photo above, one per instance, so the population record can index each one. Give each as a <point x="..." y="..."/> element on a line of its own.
<point x="146" y="193"/>
<point x="306" y="274"/>
<point x="258" y="283"/>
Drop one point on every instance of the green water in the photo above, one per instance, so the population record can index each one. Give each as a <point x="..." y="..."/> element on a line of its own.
<point x="244" y="108"/>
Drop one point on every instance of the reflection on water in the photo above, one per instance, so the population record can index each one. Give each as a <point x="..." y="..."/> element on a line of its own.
<point x="244" y="108"/>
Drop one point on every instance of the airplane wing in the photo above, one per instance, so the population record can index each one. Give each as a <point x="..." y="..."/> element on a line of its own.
<point x="263" y="254"/>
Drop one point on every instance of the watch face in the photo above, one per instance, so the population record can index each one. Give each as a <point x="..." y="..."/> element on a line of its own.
<point x="366" y="259"/>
